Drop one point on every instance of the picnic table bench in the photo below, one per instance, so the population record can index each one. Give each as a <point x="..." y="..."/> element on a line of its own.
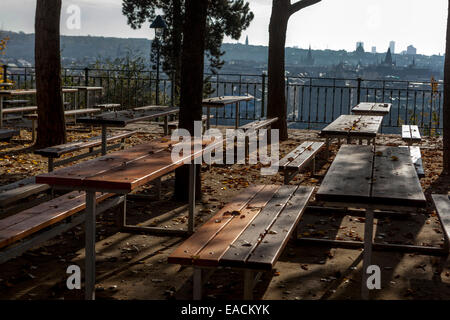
<point x="372" y="109"/>
<point x="249" y="233"/>
<point x="54" y="152"/>
<point x="7" y="134"/>
<point x="16" y="101"/>
<point x="121" y="173"/>
<point x="300" y="157"/>
<point x="34" y="117"/>
<point x="172" y="125"/>
<point x="107" y="106"/>
<point x="411" y="134"/>
<point x="372" y="177"/>
<point x="14" y="192"/>
<point x="221" y="102"/>
<point x="33" y="226"/>
<point x="442" y="204"/>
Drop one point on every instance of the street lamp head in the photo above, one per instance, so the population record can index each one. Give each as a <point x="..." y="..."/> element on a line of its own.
<point x="159" y="25"/>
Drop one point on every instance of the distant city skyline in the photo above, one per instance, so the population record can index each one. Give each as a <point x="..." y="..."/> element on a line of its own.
<point x="327" y="25"/>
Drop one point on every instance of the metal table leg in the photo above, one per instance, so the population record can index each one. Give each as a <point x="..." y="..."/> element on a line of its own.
<point x="166" y="125"/>
<point x="368" y="237"/>
<point x="237" y="115"/>
<point x="90" y="246"/>
<point x="191" y="197"/>
<point x="104" y="139"/>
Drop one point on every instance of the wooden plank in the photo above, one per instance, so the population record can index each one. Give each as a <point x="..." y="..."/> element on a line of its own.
<point x="442" y="204"/>
<point x="305" y="156"/>
<point x="12" y="102"/>
<point x="225" y="100"/>
<point x="241" y="249"/>
<point x="214" y="250"/>
<point x="19" y="109"/>
<point x="75" y="174"/>
<point x="67" y="113"/>
<point x="17" y="184"/>
<point x="19" y="193"/>
<point x="366" y="126"/>
<point x="415" y="133"/>
<point x="187" y="252"/>
<point x="406" y="132"/>
<point x="42" y="216"/>
<point x="8" y="133"/>
<point x="134" y="174"/>
<point x="272" y="245"/>
<point x="349" y="176"/>
<point x="395" y="179"/>
<point x="294" y="153"/>
<point x="416" y="158"/>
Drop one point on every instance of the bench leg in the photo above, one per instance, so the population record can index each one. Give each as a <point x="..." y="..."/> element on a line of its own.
<point x="197" y="283"/>
<point x="208" y="112"/>
<point x="90" y="246"/>
<point x="191" y="197"/>
<point x="249" y="282"/>
<point x="166" y="125"/>
<point x="327" y="144"/>
<point x="104" y="140"/>
<point x="314" y="165"/>
<point x="368" y="237"/>
<point x="158" y="188"/>
<point x="51" y="165"/>
<point x="122" y="217"/>
<point x="33" y="130"/>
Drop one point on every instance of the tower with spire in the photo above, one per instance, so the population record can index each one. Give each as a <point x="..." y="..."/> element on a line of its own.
<point x="246" y="40"/>
<point x="309" y="60"/>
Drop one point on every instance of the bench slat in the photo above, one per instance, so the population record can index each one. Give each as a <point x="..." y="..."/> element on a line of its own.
<point x="272" y="245"/>
<point x="8" y="133"/>
<point x="19" y="109"/>
<point x="416" y="158"/>
<point x="21" y="225"/>
<point x="187" y="252"/>
<point x="19" y="193"/>
<point x="214" y="250"/>
<point x="305" y="156"/>
<point x="294" y="153"/>
<point x="442" y="204"/>
<point x="59" y="150"/>
<point x="241" y="249"/>
<point x="256" y="125"/>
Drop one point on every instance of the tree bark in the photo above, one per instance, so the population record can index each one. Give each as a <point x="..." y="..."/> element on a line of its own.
<point x="276" y="100"/>
<point x="191" y="85"/>
<point x="446" y="107"/>
<point x="51" y="123"/>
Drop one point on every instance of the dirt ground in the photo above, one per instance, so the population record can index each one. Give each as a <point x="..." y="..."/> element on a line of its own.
<point x="135" y="266"/>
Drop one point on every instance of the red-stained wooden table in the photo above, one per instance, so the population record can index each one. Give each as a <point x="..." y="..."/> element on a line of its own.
<point x="121" y="173"/>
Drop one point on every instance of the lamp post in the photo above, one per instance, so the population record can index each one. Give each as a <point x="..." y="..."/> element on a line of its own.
<point x="159" y="25"/>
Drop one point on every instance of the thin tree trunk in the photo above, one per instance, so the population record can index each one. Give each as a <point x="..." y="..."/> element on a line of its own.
<point x="51" y="124"/>
<point x="191" y="84"/>
<point x="446" y="107"/>
<point x="276" y="101"/>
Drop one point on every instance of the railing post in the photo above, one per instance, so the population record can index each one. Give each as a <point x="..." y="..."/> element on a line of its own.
<point x="263" y="94"/>
<point x="358" y="99"/>
<point x="5" y="73"/>
<point x="172" y="91"/>
<point x="86" y="76"/>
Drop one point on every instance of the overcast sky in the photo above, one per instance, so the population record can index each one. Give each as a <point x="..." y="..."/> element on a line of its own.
<point x="333" y="24"/>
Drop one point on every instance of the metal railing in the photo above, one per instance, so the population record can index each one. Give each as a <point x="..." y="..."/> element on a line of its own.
<point x="311" y="102"/>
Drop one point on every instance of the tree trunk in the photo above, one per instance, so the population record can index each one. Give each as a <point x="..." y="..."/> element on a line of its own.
<point x="51" y="125"/>
<point x="276" y="100"/>
<point x="191" y="84"/>
<point x="446" y="107"/>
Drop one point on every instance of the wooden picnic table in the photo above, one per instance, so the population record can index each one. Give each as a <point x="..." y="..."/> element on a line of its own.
<point x="372" y="178"/>
<point x="123" y="118"/>
<point x="11" y="93"/>
<point x="86" y="90"/>
<point x="352" y="127"/>
<point x="220" y="102"/>
<point x="372" y="109"/>
<point x="121" y="173"/>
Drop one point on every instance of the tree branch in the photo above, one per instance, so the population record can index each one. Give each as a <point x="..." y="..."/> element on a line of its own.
<point x="301" y="5"/>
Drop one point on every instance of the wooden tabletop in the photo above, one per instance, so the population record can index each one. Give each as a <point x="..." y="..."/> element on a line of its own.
<point x="30" y="92"/>
<point x="122" y="171"/>
<point x="361" y="174"/>
<point x="87" y="88"/>
<point x="124" y="117"/>
<point x="353" y="126"/>
<point x="225" y="100"/>
<point x="370" y="108"/>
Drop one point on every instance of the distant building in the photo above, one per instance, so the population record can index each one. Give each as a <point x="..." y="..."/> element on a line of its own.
<point x="388" y="59"/>
<point x="374" y="49"/>
<point x="308" y="60"/>
<point x="411" y="50"/>
<point x="392" y="46"/>
<point x="359" y="46"/>
<point x="246" y="41"/>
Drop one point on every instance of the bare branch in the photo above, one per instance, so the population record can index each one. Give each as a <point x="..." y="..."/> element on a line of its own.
<point x="301" y="5"/>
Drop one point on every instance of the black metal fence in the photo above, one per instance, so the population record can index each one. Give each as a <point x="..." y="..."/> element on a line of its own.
<point x="311" y="102"/>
